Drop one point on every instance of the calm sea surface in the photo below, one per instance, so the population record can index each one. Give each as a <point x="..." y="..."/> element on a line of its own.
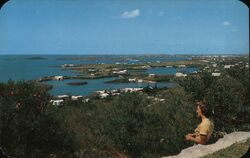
<point x="21" y="67"/>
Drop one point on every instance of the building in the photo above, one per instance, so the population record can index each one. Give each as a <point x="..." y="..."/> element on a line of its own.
<point x="227" y="66"/>
<point x="77" y="97"/>
<point x="131" y="89"/>
<point x="214" y="65"/>
<point x="86" y="100"/>
<point x="132" y="79"/>
<point x="140" y="81"/>
<point x="179" y="74"/>
<point x="57" y="102"/>
<point x="63" y="96"/>
<point x="151" y="75"/>
<point x="120" y="72"/>
<point x="104" y="95"/>
<point x="58" y="78"/>
<point x="216" y="74"/>
<point x="182" y="66"/>
<point x="169" y="66"/>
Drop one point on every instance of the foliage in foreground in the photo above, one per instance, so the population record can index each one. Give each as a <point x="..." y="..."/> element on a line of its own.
<point x="227" y="97"/>
<point x="29" y="127"/>
<point x="128" y="125"/>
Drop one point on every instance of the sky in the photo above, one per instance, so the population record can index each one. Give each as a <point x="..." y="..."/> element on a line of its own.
<point x="124" y="27"/>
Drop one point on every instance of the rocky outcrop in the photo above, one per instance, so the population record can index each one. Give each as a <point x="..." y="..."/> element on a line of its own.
<point x="202" y="150"/>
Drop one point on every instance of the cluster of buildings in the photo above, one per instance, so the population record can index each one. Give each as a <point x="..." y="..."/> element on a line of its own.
<point x="218" y="64"/>
<point x="105" y="93"/>
<point x="60" y="100"/>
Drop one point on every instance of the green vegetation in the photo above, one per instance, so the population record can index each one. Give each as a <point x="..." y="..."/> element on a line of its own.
<point x="227" y="97"/>
<point x="29" y="127"/>
<point x="236" y="150"/>
<point x="132" y="124"/>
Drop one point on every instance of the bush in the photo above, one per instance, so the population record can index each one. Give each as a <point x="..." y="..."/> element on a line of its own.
<point x="29" y="126"/>
<point x="227" y="97"/>
<point x="140" y="130"/>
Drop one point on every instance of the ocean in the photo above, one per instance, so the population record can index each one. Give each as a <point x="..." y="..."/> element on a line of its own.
<point x="29" y="67"/>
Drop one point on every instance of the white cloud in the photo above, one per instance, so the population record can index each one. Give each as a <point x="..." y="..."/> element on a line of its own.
<point x="131" y="14"/>
<point x="226" y="23"/>
<point x="161" y="13"/>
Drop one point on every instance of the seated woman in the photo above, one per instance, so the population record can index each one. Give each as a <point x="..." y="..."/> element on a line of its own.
<point x="204" y="129"/>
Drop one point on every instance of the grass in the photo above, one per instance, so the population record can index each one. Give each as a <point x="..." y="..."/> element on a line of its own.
<point x="234" y="151"/>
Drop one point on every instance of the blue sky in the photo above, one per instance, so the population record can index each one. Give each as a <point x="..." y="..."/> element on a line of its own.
<point x="124" y="27"/>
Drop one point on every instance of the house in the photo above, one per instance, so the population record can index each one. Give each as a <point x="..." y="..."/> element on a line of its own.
<point x="91" y="70"/>
<point x="140" y="81"/>
<point x="77" y="97"/>
<point x="216" y="74"/>
<point x="63" y="96"/>
<point x="57" y="102"/>
<point x="181" y="66"/>
<point x="114" y="91"/>
<point x="151" y="75"/>
<point x="227" y="66"/>
<point x="169" y="66"/>
<point x="146" y="67"/>
<point x="131" y="89"/>
<point x="132" y="79"/>
<point x="194" y="72"/>
<point x="122" y="72"/>
<point x="101" y="92"/>
<point x="104" y="95"/>
<point x="58" y="78"/>
<point x="159" y="100"/>
<point x="86" y="100"/>
<point x="214" y="65"/>
<point x="179" y="74"/>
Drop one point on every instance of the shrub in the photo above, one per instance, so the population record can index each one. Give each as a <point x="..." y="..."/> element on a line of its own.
<point x="29" y="126"/>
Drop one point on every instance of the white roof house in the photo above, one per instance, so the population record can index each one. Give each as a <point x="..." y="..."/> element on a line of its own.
<point x="101" y="92"/>
<point x="76" y="97"/>
<point x="59" y="78"/>
<point x="121" y="72"/>
<point x="140" y="81"/>
<point x="104" y="95"/>
<point x="181" y="65"/>
<point x="146" y="67"/>
<point x="179" y="74"/>
<point x="216" y="74"/>
<point x="86" y="100"/>
<point x="57" y="102"/>
<point x="132" y="79"/>
<point x="227" y="66"/>
<point x="151" y="75"/>
<point x="131" y="89"/>
<point x="214" y="65"/>
<point x="63" y="96"/>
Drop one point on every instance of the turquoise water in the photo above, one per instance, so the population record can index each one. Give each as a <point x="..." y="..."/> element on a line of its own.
<point x="18" y="67"/>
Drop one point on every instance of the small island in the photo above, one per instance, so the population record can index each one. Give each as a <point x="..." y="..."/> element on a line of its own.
<point x="77" y="83"/>
<point x="36" y="58"/>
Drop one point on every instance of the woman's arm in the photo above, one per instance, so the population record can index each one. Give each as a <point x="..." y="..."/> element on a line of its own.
<point x="201" y="139"/>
